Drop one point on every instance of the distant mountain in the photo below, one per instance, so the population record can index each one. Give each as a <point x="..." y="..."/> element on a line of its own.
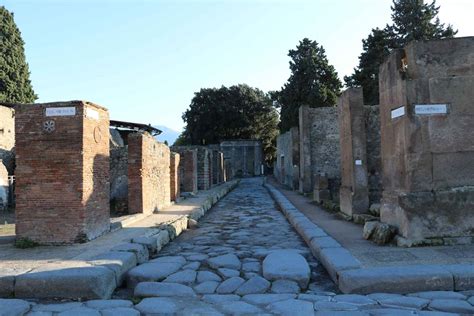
<point x="168" y="134"/>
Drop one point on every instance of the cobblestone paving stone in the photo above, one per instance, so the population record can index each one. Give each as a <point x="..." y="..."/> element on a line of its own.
<point x="217" y="269"/>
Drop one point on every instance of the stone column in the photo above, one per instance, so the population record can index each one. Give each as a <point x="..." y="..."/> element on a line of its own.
<point x="305" y="149"/>
<point x="354" y="195"/>
<point x="62" y="172"/>
<point x="427" y="113"/>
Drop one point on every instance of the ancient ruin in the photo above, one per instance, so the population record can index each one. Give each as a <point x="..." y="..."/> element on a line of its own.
<point x="245" y="157"/>
<point x="286" y="167"/>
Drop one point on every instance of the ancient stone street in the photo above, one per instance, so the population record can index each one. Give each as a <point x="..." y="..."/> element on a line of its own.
<point x="243" y="258"/>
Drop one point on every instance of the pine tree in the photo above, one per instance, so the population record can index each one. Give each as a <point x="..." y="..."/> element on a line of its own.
<point x="313" y="82"/>
<point x="15" y="85"/>
<point x="412" y="20"/>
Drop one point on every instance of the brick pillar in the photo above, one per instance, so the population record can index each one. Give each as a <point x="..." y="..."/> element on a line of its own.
<point x="148" y="174"/>
<point x="354" y="194"/>
<point x="62" y="172"/>
<point x="188" y="171"/>
<point x="174" y="174"/>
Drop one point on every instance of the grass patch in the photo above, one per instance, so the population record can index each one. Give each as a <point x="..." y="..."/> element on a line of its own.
<point x="24" y="243"/>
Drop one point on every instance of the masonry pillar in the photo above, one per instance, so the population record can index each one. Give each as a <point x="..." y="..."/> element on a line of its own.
<point x="174" y="176"/>
<point x="62" y="172"/>
<point x="188" y="171"/>
<point x="148" y="174"/>
<point x="354" y="194"/>
<point x="427" y="113"/>
<point x="305" y="149"/>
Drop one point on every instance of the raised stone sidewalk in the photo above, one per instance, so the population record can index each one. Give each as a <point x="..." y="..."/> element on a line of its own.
<point x="356" y="267"/>
<point x="95" y="269"/>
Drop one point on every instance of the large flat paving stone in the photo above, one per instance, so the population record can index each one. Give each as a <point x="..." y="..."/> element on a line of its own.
<point x="118" y="261"/>
<point x="84" y="282"/>
<point x="81" y="311"/>
<point x="230" y="285"/>
<point x="406" y="279"/>
<point x="220" y="298"/>
<point x="415" y="303"/>
<point x="120" y="311"/>
<point x="152" y="271"/>
<point x="229" y="261"/>
<point x="286" y="265"/>
<point x="255" y="285"/>
<point x="13" y="307"/>
<point x="336" y="260"/>
<point x="291" y="307"/>
<point x="207" y="287"/>
<point x="104" y="304"/>
<point x="452" y="306"/>
<point x="443" y="295"/>
<point x="265" y="299"/>
<point x="152" y="289"/>
<point x="157" y="305"/>
<point x="184" y="277"/>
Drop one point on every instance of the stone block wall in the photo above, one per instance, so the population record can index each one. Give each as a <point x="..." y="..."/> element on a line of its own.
<point x="286" y="168"/>
<point x="319" y="148"/>
<point x="204" y="168"/>
<point x="374" y="161"/>
<point x="174" y="174"/>
<point x="7" y="137"/>
<point x="62" y="172"/>
<point x="427" y="113"/>
<point x="354" y="193"/>
<point x="245" y="157"/>
<point x="148" y="174"/>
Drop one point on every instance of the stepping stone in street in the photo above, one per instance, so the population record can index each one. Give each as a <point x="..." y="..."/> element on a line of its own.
<point x="255" y="285"/>
<point x="183" y="277"/>
<point x="286" y="265"/>
<point x="229" y="261"/>
<point x="207" y="287"/>
<point x="230" y="285"/>
<point x="285" y="286"/>
<point x="150" y="289"/>
<point x="291" y="307"/>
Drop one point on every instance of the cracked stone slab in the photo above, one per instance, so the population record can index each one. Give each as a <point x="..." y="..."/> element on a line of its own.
<point x="415" y="303"/>
<point x="186" y="277"/>
<point x="286" y="265"/>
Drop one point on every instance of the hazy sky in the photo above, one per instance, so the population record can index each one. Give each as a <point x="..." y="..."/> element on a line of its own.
<point x="144" y="60"/>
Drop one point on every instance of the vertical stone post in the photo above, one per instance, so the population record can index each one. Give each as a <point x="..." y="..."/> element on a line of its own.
<point x="427" y="113"/>
<point x="305" y="149"/>
<point x="174" y="174"/>
<point x="354" y="194"/>
<point x="148" y="174"/>
<point x="220" y="162"/>
<point x="62" y="172"/>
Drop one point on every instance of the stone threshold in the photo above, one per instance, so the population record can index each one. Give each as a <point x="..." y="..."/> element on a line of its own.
<point x="98" y="277"/>
<point x="353" y="278"/>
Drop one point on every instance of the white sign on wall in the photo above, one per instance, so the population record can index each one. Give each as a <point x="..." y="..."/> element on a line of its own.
<point x="92" y="114"/>
<point x="66" y="111"/>
<point x="358" y="162"/>
<point x="398" y="112"/>
<point x="429" y="109"/>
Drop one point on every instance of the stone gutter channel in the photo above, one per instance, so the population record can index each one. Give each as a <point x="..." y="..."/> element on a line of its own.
<point x="98" y="278"/>
<point x="353" y="278"/>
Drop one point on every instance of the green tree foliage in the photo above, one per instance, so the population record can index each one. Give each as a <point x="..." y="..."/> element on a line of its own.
<point x="313" y="82"/>
<point x="236" y="112"/>
<point x="15" y="85"/>
<point x="412" y="20"/>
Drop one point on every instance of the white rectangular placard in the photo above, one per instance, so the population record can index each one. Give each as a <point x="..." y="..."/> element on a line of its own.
<point x="69" y="111"/>
<point x="358" y="162"/>
<point x="427" y="109"/>
<point x="93" y="114"/>
<point x="398" y="112"/>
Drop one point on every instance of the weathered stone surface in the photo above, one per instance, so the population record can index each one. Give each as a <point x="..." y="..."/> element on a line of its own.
<point x="203" y="276"/>
<point x="314" y="297"/>
<point x="285" y="286"/>
<point x="255" y="285"/>
<point x="451" y="306"/>
<point x="82" y="311"/>
<point x="265" y="299"/>
<point x="192" y="266"/>
<point x="240" y="308"/>
<point x="56" y="308"/>
<point x="405" y="279"/>
<point x="336" y="260"/>
<point x="334" y="306"/>
<point x="148" y="241"/>
<point x="228" y="273"/>
<point x="369" y="228"/>
<point x="383" y="233"/>
<point x="251" y="267"/>
<point x="118" y="261"/>
<point x="286" y="265"/>
<point x="463" y="276"/>
<point x="184" y="277"/>
<point x="149" y="289"/>
<point x="152" y="271"/>
<point x="230" y="285"/>
<point x="291" y="307"/>
<point x="86" y="282"/>
<point x="7" y="284"/>
<point x="359" y="300"/>
<point x="207" y="287"/>
<point x="229" y="261"/>
<point x="220" y="298"/>
<point x="433" y="295"/>
<point x="162" y="238"/>
<point x="139" y="250"/>
<point x="103" y="304"/>
<point x="157" y="305"/>
<point x="405" y="302"/>
<point x="122" y="311"/>
<point x="13" y="307"/>
<point x="319" y="243"/>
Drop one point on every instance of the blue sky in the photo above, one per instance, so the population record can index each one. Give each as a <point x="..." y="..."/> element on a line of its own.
<point x="144" y="60"/>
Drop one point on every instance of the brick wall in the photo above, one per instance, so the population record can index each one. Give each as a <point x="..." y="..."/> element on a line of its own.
<point x="7" y="137"/>
<point x="174" y="174"/>
<point x="286" y="168"/>
<point x="119" y="179"/>
<point x="148" y="174"/>
<point x="62" y="173"/>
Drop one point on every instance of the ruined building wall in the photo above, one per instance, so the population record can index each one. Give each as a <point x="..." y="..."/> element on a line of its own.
<point x="148" y="174"/>
<point x="244" y="157"/>
<point x="174" y="176"/>
<point x="374" y="161"/>
<point x="319" y="147"/>
<point x="62" y="173"/>
<point x="286" y="167"/>
<point x="427" y="113"/>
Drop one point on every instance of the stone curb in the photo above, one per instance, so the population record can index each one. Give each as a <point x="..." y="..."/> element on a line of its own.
<point x="100" y="276"/>
<point x="347" y="271"/>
